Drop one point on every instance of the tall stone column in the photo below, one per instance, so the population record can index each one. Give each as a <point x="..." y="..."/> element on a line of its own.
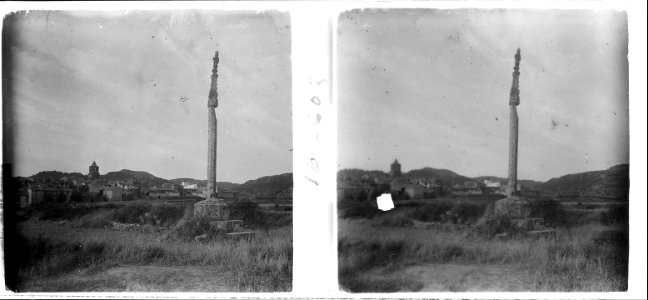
<point x="514" y="101"/>
<point x="212" y="103"/>
<point x="212" y="189"/>
<point x="213" y="209"/>
<point x="514" y="206"/>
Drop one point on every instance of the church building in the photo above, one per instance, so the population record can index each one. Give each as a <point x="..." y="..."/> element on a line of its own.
<point x="93" y="173"/>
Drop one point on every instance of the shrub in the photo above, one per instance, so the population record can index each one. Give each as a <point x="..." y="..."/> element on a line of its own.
<point x="99" y="219"/>
<point x="413" y="203"/>
<point x="398" y="217"/>
<point x="76" y="197"/>
<point x="277" y="219"/>
<point x="64" y="212"/>
<point x="152" y="253"/>
<point x="544" y="208"/>
<point x="364" y="211"/>
<point x="363" y="255"/>
<point x="469" y="211"/>
<point x="255" y="217"/>
<point x="44" y="256"/>
<point x="130" y="213"/>
<point x="432" y="211"/>
<point x="247" y="211"/>
<point x="164" y="215"/>
<point x="426" y="211"/>
<point x="495" y="225"/>
<point x="615" y="215"/>
<point x="551" y="212"/>
<point x="188" y="229"/>
<point x="60" y="197"/>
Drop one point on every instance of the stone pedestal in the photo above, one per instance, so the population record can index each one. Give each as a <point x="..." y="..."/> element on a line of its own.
<point x="215" y="209"/>
<point x="217" y="212"/>
<point x="513" y="207"/>
<point x="226" y="226"/>
<point x="529" y="224"/>
<point x="518" y="210"/>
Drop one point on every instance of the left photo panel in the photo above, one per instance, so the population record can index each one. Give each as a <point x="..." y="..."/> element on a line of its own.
<point x="147" y="151"/>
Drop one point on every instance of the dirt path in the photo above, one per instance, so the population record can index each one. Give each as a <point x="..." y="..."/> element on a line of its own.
<point x="130" y="278"/>
<point x="459" y="278"/>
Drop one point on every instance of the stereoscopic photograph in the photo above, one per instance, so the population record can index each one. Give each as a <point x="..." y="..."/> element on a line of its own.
<point x="483" y="150"/>
<point x="147" y="151"/>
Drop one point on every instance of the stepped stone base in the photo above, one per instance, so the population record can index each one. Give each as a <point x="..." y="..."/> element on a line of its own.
<point x="215" y="209"/>
<point x="534" y="227"/>
<point x="218" y="214"/>
<point x="528" y="224"/>
<point x="226" y="226"/>
<point x="513" y="207"/>
<point x="517" y="210"/>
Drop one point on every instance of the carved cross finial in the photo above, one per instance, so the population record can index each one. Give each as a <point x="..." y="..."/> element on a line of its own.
<point x="515" y="88"/>
<point x="213" y="91"/>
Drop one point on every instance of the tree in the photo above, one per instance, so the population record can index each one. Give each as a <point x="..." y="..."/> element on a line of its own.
<point x="60" y="197"/>
<point x="76" y="197"/>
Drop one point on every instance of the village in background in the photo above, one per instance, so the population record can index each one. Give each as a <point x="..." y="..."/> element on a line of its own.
<point x="125" y="185"/>
<point x="357" y="186"/>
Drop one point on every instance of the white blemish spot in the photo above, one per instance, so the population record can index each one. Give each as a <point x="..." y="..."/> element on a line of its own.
<point x="385" y="202"/>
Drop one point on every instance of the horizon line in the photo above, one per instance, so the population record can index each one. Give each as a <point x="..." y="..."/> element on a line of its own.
<point x="504" y="177"/>
<point x="169" y="179"/>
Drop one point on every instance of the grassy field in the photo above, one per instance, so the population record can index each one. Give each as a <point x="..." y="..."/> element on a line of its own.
<point x="149" y="246"/>
<point x="387" y="252"/>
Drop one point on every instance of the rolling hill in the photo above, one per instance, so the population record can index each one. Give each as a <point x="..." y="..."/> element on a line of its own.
<point x="55" y="176"/>
<point x="356" y="174"/>
<point x="144" y="178"/>
<point x="611" y="183"/>
<point x="272" y="184"/>
<point x="445" y="176"/>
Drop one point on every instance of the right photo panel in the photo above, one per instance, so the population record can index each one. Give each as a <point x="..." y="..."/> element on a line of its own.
<point x="482" y="150"/>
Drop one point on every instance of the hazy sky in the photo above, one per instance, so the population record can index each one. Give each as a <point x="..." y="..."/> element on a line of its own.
<point x="107" y="86"/>
<point x="431" y="88"/>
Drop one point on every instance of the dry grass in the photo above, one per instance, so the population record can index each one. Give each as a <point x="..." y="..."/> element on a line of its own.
<point x="152" y="213"/>
<point x="585" y="258"/>
<point x="52" y="249"/>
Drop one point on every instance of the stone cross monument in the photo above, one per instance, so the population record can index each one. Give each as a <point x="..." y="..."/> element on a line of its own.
<point x="514" y="206"/>
<point x="212" y="207"/>
<point x="215" y="209"/>
<point x="514" y="101"/>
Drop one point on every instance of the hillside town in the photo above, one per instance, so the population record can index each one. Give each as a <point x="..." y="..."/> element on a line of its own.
<point x="367" y="187"/>
<point x="57" y="187"/>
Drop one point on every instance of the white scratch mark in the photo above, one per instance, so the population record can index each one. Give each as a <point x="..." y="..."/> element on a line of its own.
<point x="385" y="202"/>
